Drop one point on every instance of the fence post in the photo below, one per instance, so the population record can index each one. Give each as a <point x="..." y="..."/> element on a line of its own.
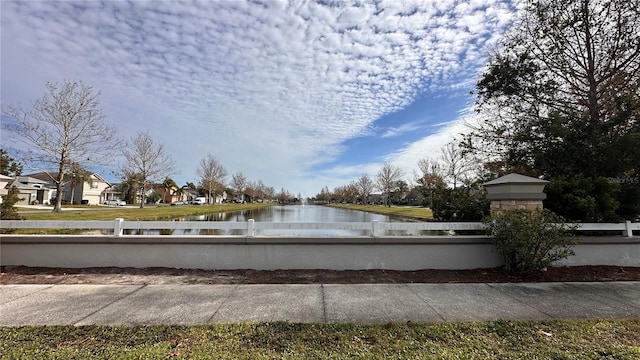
<point x="628" y="232"/>
<point x="251" y="229"/>
<point x="117" y="227"/>
<point x="375" y="228"/>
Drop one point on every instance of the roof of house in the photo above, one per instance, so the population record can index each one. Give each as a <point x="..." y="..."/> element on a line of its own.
<point x="49" y="176"/>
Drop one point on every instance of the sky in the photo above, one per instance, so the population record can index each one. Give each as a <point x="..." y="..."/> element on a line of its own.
<point x="297" y="94"/>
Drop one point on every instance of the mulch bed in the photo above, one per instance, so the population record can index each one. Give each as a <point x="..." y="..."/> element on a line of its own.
<point x="114" y="275"/>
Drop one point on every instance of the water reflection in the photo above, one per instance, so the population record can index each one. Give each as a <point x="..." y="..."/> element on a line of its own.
<point x="290" y="213"/>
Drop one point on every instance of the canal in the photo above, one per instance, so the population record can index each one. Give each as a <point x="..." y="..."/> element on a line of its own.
<point x="287" y="213"/>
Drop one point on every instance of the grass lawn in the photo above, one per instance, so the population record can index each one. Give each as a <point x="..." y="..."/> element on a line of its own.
<point x="149" y="212"/>
<point x="408" y="211"/>
<point x="588" y="339"/>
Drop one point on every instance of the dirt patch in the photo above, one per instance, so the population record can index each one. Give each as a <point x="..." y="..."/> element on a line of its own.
<point x="114" y="275"/>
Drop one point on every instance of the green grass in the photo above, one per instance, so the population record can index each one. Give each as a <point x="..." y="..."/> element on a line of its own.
<point x="409" y="211"/>
<point x="151" y="212"/>
<point x="588" y="339"/>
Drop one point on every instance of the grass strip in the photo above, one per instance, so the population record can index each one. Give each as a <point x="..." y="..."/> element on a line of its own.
<point x="572" y="339"/>
<point x="419" y="213"/>
<point x="148" y="213"/>
<point x="133" y="213"/>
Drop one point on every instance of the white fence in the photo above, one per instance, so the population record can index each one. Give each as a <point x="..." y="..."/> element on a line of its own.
<point x="251" y="250"/>
<point x="249" y="228"/>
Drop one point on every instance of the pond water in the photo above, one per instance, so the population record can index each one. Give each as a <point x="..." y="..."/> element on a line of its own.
<point x="288" y="213"/>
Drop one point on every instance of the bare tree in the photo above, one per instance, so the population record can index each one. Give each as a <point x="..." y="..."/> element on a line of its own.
<point x="64" y="127"/>
<point x="146" y="161"/>
<point x="387" y="178"/>
<point x="239" y="184"/>
<point x="212" y="175"/>
<point x="269" y="192"/>
<point x="456" y="165"/>
<point x="365" y="186"/>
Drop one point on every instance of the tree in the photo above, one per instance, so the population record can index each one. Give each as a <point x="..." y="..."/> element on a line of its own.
<point x="77" y="175"/>
<point x="365" y="186"/>
<point x="456" y="166"/>
<point x="561" y="99"/>
<point x="239" y="184"/>
<point x="167" y="184"/>
<point x="467" y="202"/>
<point x="430" y="178"/>
<point x="387" y="178"/>
<point x="269" y="193"/>
<point x="284" y="196"/>
<point x="212" y="175"/>
<point x="9" y="166"/>
<point x="145" y="161"/>
<point x="65" y="126"/>
<point x="7" y="207"/>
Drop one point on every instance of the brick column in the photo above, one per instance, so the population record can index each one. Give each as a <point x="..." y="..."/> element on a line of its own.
<point x="515" y="191"/>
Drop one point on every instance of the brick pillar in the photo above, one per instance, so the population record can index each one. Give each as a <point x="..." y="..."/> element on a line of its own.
<point x="515" y="191"/>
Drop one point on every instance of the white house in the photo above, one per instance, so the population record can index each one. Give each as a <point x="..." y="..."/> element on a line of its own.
<point x="92" y="191"/>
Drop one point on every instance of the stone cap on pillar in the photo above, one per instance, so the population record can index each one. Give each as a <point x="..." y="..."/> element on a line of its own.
<point x="516" y="187"/>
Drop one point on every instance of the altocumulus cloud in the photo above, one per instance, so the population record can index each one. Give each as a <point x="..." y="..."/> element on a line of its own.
<point x="271" y="88"/>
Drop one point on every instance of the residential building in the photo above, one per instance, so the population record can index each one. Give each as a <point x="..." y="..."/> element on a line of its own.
<point x="4" y="185"/>
<point x="92" y="191"/>
<point x="32" y="190"/>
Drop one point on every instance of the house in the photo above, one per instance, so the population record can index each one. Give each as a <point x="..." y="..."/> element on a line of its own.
<point x="4" y="188"/>
<point x="167" y="195"/>
<point x="32" y="190"/>
<point x="111" y="193"/>
<point x="91" y="191"/>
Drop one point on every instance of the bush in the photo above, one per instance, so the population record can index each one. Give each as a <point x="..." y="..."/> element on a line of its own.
<point x="530" y="240"/>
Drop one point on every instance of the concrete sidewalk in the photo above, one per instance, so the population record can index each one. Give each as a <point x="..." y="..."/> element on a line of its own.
<point x="363" y="303"/>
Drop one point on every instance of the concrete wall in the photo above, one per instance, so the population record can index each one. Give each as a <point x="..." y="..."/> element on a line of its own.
<point x="406" y="253"/>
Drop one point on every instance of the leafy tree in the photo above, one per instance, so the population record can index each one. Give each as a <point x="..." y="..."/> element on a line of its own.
<point x="9" y="166"/>
<point x="65" y="126"/>
<point x="146" y="162"/>
<point x="7" y="207"/>
<point x="561" y="99"/>
<point x="77" y="175"/>
<point x="212" y="175"/>
<point x="431" y="177"/>
<point x="467" y="202"/>
<point x="168" y="184"/>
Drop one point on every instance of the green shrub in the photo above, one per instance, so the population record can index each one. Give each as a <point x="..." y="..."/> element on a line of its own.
<point x="7" y="208"/>
<point x="530" y="240"/>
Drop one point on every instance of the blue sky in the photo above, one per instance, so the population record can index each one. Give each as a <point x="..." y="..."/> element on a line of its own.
<point x="299" y="94"/>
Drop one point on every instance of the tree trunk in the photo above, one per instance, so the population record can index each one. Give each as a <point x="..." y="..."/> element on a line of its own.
<point x="58" y="206"/>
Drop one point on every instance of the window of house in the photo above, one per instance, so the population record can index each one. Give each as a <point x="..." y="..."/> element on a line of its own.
<point x="94" y="185"/>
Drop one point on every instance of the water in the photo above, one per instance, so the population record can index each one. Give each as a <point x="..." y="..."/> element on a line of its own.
<point x="288" y="213"/>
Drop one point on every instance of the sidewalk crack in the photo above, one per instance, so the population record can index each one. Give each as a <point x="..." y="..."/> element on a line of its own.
<point x="111" y="303"/>
<point x="226" y="299"/>
<point x="324" y="304"/>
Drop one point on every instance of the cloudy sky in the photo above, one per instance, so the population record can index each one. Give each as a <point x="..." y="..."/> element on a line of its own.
<point x="298" y="94"/>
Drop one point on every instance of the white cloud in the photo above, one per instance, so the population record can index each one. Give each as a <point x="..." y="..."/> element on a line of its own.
<point x="271" y="89"/>
<point x="403" y="129"/>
